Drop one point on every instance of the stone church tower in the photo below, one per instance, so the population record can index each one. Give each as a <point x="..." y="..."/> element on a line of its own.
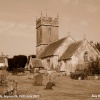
<point x="46" y="31"/>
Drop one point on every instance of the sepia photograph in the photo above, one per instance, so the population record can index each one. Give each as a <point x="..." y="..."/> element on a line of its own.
<point x="49" y="49"/>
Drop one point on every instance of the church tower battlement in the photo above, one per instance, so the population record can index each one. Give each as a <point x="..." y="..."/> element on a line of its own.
<point x="49" y="21"/>
<point x="46" y="31"/>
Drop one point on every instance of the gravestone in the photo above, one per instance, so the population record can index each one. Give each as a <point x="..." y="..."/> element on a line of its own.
<point x="52" y="79"/>
<point x="10" y="87"/>
<point x="38" y="79"/>
<point x="49" y="85"/>
<point x="2" y="79"/>
<point x="3" y="75"/>
<point x="96" y="77"/>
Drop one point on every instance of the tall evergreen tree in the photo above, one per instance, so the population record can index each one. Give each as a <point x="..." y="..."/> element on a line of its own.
<point x="17" y="62"/>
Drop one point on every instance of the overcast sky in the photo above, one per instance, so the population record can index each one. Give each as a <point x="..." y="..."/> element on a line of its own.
<point x="18" y="22"/>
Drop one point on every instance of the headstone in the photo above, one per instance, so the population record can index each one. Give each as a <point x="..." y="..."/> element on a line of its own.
<point x="79" y="78"/>
<point x="96" y="77"/>
<point x="3" y="74"/>
<point x="51" y="77"/>
<point x="10" y="88"/>
<point x="38" y="79"/>
<point x="49" y="85"/>
<point x="3" y="79"/>
<point x="36" y="70"/>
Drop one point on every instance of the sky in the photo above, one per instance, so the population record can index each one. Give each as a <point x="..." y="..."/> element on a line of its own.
<point x="78" y="18"/>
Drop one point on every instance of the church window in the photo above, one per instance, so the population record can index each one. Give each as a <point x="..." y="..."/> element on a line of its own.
<point x="48" y="62"/>
<point x="49" y="31"/>
<point x="86" y="54"/>
<point x="39" y="36"/>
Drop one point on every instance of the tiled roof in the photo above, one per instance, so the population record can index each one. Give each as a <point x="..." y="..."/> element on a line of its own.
<point x="36" y="62"/>
<point x="51" y="48"/>
<point x="70" y="50"/>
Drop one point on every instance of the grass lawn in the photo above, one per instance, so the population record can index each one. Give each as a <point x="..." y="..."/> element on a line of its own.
<point x="65" y="89"/>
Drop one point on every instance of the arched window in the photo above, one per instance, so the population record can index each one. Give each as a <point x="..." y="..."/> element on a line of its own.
<point x="86" y="54"/>
<point x="48" y="62"/>
<point x="49" y="31"/>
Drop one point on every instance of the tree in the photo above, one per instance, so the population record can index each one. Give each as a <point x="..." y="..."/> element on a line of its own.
<point x="94" y="66"/>
<point x="19" y="61"/>
<point x="10" y="64"/>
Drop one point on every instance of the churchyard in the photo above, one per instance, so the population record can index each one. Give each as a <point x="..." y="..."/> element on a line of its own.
<point x="65" y="89"/>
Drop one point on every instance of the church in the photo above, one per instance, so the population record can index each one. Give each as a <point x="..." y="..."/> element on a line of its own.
<point x="65" y="54"/>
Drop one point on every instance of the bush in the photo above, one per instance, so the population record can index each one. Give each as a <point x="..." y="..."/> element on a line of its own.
<point x="94" y="66"/>
<point x="77" y="74"/>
